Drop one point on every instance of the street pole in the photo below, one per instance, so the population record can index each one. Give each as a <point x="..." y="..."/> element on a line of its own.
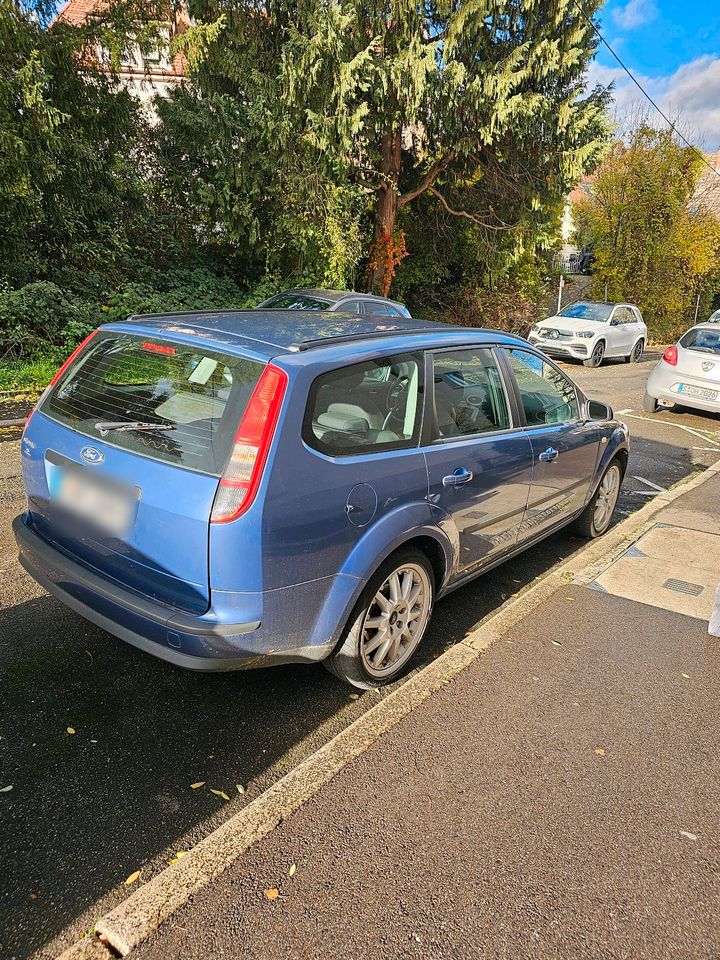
<point x="605" y="293"/>
<point x="560" y="290"/>
<point x="697" y="308"/>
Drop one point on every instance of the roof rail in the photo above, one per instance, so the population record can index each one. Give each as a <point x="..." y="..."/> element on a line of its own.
<point x="350" y="337"/>
<point x="187" y="313"/>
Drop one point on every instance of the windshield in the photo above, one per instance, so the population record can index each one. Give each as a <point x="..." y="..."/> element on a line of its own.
<point x="169" y="401"/>
<point x="714" y="317"/>
<point x="296" y="301"/>
<point x="585" y="310"/>
<point x="705" y="341"/>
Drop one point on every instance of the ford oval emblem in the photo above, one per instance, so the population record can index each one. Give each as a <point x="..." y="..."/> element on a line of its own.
<point x="92" y="455"/>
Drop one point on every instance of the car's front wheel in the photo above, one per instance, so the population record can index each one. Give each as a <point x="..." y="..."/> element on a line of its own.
<point x="595" y="518"/>
<point x="597" y="356"/>
<point x="387" y="623"/>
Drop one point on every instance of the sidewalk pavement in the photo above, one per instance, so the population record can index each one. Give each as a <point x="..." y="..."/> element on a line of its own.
<point x="559" y="798"/>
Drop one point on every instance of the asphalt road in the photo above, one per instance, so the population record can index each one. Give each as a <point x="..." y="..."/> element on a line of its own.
<point x="551" y="802"/>
<point x="88" y="809"/>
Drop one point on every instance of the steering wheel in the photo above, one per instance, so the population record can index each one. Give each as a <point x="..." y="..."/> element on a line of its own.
<point x="395" y="397"/>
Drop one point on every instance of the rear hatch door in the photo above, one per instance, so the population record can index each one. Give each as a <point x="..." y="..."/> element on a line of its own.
<point x="123" y="457"/>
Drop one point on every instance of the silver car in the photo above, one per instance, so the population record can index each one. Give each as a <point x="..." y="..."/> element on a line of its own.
<point x="591" y="331"/>
<point x="689" y="372"/>
<point x="349" y="301"/>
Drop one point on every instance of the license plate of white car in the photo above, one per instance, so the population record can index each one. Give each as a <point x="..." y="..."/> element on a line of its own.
<point x="107" y="507"/>
<point x="700" y="392"/>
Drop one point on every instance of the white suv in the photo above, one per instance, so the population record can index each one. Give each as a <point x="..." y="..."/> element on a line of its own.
<point x="591" y="331"/>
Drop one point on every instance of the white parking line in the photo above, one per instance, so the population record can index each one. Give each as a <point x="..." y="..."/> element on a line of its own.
<point x="649" y="483"/>
<point x="680" y="426"/>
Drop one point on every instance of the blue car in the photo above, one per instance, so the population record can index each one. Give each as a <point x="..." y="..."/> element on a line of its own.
<point x="236" y="489"/>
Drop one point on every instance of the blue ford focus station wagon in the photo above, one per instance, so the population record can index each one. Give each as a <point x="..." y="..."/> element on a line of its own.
<point x="238" y="489"/>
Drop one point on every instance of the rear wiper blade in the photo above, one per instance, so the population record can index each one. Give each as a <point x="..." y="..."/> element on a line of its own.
<point x="122" y="426"/>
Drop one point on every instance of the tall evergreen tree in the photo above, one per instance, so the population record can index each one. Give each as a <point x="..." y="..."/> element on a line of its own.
<point x="477" y="104"/>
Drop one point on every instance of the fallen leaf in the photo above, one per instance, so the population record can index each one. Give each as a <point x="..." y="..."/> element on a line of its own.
<point x="293" y="870"/>
<point x="33" y="896"/>
<point x="180" y="854"/>
<point x="571" y="599"/>
<point x="172" y="861"/>
<point x="600" y="751"/>
<point x="354" y="696"/>
<point x="687" y="676"/>
<point x="71" y="729"/>
<point x="196" y="786"/>
<point x="687" y="835"/>
<point x="272" y="894"/>
<point x="240" y="788"/>
<point x="132" y="878"/>
<point x="557" y="643"/>
<point x="7" y="789"/>
<point x="220" y="793"/>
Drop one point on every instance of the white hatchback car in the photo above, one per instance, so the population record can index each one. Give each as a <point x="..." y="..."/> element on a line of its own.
<point x="591" y="331"/>
<point x="689" y="372"/>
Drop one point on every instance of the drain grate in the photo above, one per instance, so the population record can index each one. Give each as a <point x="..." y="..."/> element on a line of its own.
<point x="681" y="586"/>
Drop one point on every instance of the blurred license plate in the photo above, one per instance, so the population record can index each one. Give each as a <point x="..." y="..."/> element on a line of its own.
<point x="698" y="392"/>
<point x="108" y="507"/>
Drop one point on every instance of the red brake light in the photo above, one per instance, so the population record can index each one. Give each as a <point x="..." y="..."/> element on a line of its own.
<point x="57" y="376"/>
<point x="671" y="356"/>
<point x="159" y="348"/>
<point x="241" y="479"/>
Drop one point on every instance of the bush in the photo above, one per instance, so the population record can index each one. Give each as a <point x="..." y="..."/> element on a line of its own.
<point x="502" y="309"/>
<point x="40" y="316"/>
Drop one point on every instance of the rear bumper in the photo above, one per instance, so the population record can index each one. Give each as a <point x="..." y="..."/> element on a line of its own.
<point x="663" y="382"/>
<point x="205" y="643"/>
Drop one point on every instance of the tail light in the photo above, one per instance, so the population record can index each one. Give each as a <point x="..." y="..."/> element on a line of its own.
<point x="671" y="356"/>
<point x="241" y="479"/>
<point x="57" y="376"/>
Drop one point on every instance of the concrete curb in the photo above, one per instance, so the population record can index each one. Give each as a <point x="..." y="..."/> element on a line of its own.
<point x="134" y="920"/>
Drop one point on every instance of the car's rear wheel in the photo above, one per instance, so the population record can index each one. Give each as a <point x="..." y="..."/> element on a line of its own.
<point x="387" y="623"/>
<point x="595" y="518"/>
<point x="636" y="353"/>
<point x="650" y="404"/>
<point x="597" y="356"/>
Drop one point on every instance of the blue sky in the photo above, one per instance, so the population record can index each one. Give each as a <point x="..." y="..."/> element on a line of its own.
<point x="673" y="48"/>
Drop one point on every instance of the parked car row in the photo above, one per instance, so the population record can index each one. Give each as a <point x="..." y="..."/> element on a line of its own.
<point x="688" y="373"/>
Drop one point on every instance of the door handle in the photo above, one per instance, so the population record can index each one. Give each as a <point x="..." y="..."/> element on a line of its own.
<point x="549" y="455"/>
<point x="458" y="477"/>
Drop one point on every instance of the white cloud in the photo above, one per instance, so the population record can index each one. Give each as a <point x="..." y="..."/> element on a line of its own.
<point x="690" y="97"/>
<point x="635" y="13"/>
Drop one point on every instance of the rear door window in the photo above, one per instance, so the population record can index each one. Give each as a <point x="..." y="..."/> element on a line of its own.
<point x="168" y="401"/>
<point x="369" y="406"/>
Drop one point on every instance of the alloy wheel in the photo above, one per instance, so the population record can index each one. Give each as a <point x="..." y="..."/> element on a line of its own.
<point x="598" y="354"/>
<point x="395" y="621"/>
<point x="607" y="497"/>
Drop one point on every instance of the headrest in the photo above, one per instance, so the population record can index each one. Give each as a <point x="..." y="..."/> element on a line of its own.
<point x="343" y="422"/>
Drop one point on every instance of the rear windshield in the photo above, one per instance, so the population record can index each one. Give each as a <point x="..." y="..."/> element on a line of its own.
<point x="586" y="310"/>
<point x="176" y="403"/>
<point x="706" y="341"/>
<point x="297" y="301"/>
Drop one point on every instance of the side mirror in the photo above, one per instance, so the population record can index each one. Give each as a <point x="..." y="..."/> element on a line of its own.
<point x="597" y="410"/>
<point x="614" y="322"/>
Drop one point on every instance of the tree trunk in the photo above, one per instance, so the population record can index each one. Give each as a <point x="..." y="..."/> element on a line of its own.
<point x="386" y="209"/>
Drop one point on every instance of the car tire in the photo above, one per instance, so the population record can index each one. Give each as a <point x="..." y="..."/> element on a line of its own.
<point x="635" y="355"/>
<point x="597" y="356"/>
<point x="595" y="519"/>
<point x="650" y="404"/>
<point x="358" y="658"/>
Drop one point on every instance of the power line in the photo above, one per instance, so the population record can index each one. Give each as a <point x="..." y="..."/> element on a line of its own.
<point x="644" y="92"/>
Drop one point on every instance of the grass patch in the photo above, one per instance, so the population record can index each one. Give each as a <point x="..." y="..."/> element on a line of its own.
<point x="32" y="374"/>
